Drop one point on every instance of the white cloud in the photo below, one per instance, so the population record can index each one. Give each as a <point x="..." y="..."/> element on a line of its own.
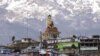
<point x="95" y="7"/>
<point x="95" y="19"/>
<point x="73" y="16"/>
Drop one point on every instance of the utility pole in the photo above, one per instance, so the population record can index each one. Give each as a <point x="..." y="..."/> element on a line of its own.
<point x="40" y="39"/>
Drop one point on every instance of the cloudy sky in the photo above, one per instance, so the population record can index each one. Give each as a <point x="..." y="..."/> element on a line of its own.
<point x="26" y="18"/>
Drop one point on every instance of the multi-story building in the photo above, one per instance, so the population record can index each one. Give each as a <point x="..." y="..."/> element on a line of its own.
<point x="23" y="43"/>
<point x="89" y="46"/>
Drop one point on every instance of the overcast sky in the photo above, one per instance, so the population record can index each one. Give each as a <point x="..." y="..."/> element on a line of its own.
<point x="26" y="18"/>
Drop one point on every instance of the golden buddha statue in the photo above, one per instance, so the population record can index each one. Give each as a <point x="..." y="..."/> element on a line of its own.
<point x="49" y="22"/>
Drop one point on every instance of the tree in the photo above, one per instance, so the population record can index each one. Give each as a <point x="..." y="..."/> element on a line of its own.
<point x="73" y="46"/>
<point x="13" y="39"/>
<point x="74" y="36"/>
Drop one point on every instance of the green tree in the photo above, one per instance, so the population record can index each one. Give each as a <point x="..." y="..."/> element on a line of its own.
<point x="13" y="39"/>
<point x="73" y="46"/>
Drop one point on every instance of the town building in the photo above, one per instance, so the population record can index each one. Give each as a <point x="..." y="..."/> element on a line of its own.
<point x="90" y="46"/>
<point x="23" y="43"/>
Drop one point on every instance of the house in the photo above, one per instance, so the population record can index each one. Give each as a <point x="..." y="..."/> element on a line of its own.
<point x="90" y="46"/>
<point x="69" y="48"/>
<point x="26" y="40"/>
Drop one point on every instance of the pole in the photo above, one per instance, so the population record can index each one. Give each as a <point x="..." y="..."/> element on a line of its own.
<point x="40" y="39"/>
